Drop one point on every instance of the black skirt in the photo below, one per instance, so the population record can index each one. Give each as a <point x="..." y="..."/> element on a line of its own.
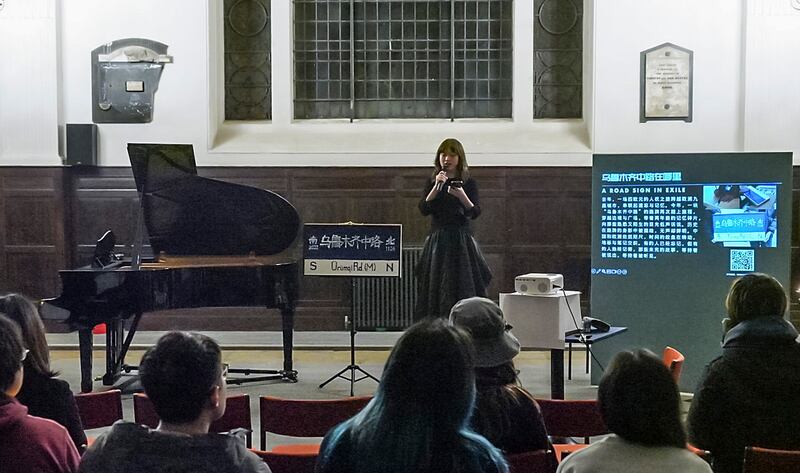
<point x="451" y="268"/>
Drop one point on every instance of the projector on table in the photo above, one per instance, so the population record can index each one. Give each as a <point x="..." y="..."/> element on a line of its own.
<point x="537" y="284"/>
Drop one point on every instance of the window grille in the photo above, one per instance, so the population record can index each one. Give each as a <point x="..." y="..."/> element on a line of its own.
<point x="402" y="58"/>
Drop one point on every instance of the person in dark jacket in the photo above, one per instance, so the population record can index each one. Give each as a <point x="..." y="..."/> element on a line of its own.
<point x="184" y="377"/>
<point x="28" y="444"/>
<point x="42" y="392"/>
<point x="505" y="412"/>
<point x="749" y="395"/>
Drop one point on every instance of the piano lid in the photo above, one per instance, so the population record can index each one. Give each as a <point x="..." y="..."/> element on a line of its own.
<point x="186" y="214"/>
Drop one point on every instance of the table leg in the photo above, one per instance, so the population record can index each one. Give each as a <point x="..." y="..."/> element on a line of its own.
<point x="588" y="356"/>
<point x="569" y="362"/>
<point x="557" y="373"/>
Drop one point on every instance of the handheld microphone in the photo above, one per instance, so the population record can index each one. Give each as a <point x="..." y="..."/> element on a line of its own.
<point x="439" y="185"/>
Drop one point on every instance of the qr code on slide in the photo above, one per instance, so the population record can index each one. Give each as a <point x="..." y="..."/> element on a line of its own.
<point x="743" y="260"/>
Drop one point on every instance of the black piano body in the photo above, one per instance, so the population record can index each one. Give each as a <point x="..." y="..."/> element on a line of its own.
<point x="186" y="216"/>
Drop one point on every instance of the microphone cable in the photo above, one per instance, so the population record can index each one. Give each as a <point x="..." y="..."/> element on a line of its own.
<point x="581" y="335"/>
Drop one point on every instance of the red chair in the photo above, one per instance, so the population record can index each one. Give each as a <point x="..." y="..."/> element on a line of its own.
<point x="99" y="409"/>
<point x="767" y="460"/>
<point x="304" y="418"/>
<point x="673" y="360"/>
<point x="537" y="461"/>
<point x="562" y="450"/>
<point x="237" y="414"/>
<point x="288" y="462"/>
<point x="564" y="418"/>
<point x="704" y="454"/>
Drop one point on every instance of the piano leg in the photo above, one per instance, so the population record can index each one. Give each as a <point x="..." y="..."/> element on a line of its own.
<point x="114" y="333"/>
<point x="86" y="344"/>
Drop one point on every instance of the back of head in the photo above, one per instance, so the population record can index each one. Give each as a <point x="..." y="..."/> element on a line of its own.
<point x="430" y="373"/>
<point x="755" y="295"/>
<point x="418" y="419"/>
<point x="639" y="400"/>
<point x="178" y="374"/>
<point x="11" y="352"/>
<point x="22" y="311"/>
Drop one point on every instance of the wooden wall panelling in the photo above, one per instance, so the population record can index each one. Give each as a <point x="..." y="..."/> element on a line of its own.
<point x="103" y="199"/>
<point x="32" y="220"/>
<point x="795" y="264"/>
<point x="535" y="219"/>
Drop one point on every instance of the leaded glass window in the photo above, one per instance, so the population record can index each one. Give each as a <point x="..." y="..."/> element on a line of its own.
<point x="557" y="59"/>
<point x="402" y="58"/>
<point x="248" y="73"/>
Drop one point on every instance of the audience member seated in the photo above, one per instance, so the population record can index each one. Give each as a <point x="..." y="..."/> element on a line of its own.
<point x="505" y="413"/>
<point x="27" y="444"/>
<point x="640" y="404"/>
<point x="184" y="377"/>
<point x="749" y="395"/>
<point x="419" y="418"/>
<point x="42" y="393"/>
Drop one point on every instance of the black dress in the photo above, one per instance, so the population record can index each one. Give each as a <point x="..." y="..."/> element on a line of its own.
<point x="451" y="267"/>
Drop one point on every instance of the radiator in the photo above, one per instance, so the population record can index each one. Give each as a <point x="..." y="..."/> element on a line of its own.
<point x="387" y="303"/>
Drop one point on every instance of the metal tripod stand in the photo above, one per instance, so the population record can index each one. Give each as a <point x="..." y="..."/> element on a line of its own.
<point x="352" y="367"/>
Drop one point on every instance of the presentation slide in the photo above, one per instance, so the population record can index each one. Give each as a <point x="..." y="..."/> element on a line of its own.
<point x="670" y="232"/>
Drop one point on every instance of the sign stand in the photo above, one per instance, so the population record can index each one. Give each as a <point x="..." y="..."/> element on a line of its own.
<point x="354" y="250"/>
<point x="352" y="367"/>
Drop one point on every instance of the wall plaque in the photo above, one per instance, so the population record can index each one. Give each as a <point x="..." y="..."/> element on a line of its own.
<point x="665" y="83"/>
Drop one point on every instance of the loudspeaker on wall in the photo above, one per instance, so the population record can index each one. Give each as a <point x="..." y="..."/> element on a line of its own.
<point x="81" y="144"/>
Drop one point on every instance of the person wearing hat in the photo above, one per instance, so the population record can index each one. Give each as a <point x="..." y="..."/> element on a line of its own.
<point x="505" y="412"/>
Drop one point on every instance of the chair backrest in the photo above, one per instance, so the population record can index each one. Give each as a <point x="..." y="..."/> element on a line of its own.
<point x="568" y="418"/>
<point x="288" y="462"/>
<point x="537" y="461"/>
<point x="306" y="418"/>
<point x="563" y="450"/>
<point x="673" y="359"/>
<point x="704" y="454"/>
<point x="763" y="460"/>
<point x="237" y="414"/>
<point x="99" y="409"/>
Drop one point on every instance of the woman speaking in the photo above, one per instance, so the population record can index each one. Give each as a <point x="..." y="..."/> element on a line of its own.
<point x="452" y="266"/>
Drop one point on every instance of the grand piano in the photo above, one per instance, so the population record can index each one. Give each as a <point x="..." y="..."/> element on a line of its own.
<point x="216" y="244"/>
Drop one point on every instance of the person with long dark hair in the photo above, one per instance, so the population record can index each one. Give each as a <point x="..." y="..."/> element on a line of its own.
<point x="419" y="418"/>
<point x="640" y="404"/>
<point x="748" y="396"/>
<point x="505" y="412"/>
<point x="451" y="267"/>
<point x="28" y="444"/>
<point x="42" y="392"/>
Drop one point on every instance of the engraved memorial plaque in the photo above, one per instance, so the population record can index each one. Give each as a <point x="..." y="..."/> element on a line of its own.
<point x="666" y="84"/>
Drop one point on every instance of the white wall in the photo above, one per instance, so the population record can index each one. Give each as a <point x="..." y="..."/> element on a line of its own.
<point x="772" y="77"/>
<point x="180" y="113"/>
<point x="28" y="83"/>
<point x="188" y="105"/>
<point x="710" y="28"/>
<point x="746" y="59"/>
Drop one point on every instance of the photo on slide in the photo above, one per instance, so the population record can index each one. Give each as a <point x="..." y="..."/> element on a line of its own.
<point x="742" y="215"/>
